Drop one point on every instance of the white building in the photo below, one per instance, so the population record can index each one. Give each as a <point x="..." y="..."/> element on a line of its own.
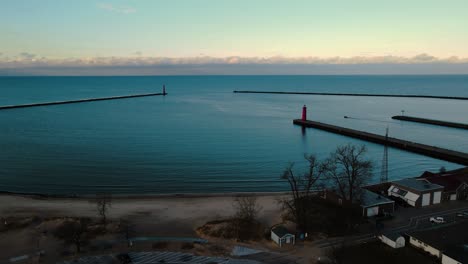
<point x="449" y="243"/>
<point x="416" y="192"/>
<point x="395" y="240"/>
<point x="280" y="235"/>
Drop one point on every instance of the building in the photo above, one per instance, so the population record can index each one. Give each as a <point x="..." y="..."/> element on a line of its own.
<point x="370" y="203"/>
<point x="416" y="192"/>
<point x="395" y="239"/>
<point x="448" y="243"/>
<point x="373" y="204"/>
<point x="455" y="183"/>
<point x="280" y="235"/>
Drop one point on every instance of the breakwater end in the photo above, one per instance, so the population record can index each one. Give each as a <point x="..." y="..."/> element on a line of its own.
<point x="360" y="94"/>
<point x="431" y="121"/>
<point x="430" y="151"/>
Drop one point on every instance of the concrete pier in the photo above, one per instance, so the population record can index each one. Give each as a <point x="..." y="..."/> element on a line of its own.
<point x="79" y="101"/>
<point x="431" y="121"/>
<point x="360" y="94"/>
<point x="430" y="151"/>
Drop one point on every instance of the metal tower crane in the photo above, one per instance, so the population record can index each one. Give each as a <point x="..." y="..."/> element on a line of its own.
<point x="384" y="171"/>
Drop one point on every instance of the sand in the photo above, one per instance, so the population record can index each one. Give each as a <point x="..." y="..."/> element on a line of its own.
<point x="166" y="216"/>
<point x="192" y="210"/>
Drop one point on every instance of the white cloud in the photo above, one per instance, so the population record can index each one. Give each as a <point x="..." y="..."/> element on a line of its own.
<point x="116" y="9"/>
<point x="26" y="59"/>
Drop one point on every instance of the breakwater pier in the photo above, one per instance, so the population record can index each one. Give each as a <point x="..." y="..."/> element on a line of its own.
<point x="360" y="94"/>
<point x="431" y="121"/>
<point x="6" y="107"/>
<point x="430" y="151"/>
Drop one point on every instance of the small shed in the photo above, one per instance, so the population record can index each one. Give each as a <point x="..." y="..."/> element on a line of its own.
<point x="395" y="240"/>
<point x="280" y="235"/>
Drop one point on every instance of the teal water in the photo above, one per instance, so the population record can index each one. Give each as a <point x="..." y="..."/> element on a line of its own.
<point x="204" y="138"/>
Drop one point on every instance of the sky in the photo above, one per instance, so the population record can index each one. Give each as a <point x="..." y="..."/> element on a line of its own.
<point x="36" y="36"/>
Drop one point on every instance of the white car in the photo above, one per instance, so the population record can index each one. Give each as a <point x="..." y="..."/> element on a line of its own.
<point x="437" y="220"/>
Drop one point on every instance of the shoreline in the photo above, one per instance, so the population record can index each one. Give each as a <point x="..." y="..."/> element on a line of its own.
<point x="33" y="195"/>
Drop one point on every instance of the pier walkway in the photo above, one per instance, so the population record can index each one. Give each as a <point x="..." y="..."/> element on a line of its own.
<point x="431" y="121"/>
<point x="430" y="151"/>
<point x="361" y="94"/>
<point x="80" y="101"/>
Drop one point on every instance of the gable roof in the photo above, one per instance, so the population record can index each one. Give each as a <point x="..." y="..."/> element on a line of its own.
<point x="392" y="235"/>
<point x="369" y="199"/>
<point x="419" y="185"/>
<point x="451" y="180"/>
<point x="280" y="231"/>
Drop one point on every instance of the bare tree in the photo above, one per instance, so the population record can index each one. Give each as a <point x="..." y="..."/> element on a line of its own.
<point x="246" y="208"/>
<point x="103" y="203"/>
<point x="245" y="225"/>
<point x="301" y="188"/>
<point x="347" y="170"/>
<point x="74" y="232"/>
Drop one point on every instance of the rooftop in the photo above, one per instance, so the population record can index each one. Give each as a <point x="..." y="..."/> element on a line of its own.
<point x="459" y="253"/>
<point x="280" y="231"/>
<point x="451" y="180"/>
<point x="418" y="184"/>
<point x="392" y="235"/>
<point x="369" y="198"/>
<point x="450" y="239"/>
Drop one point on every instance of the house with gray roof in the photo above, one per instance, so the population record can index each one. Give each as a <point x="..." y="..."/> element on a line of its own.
<point x="416" y="192"/>
<point x="374" y="204"/>
<point x="281" y="235"/>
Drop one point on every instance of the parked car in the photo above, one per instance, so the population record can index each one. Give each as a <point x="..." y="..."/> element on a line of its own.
<point x="462" y="214"/>
<point x="437" y="220"/>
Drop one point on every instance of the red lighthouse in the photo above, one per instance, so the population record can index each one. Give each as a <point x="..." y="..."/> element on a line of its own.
<point x="304" y="113"/>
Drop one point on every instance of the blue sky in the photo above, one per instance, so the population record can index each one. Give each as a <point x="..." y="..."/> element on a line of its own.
<point x="64" y="31"/>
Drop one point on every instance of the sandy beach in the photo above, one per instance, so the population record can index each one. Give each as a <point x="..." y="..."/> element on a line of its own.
<point x="164" y="216"/>
<point x="190" y="209"/>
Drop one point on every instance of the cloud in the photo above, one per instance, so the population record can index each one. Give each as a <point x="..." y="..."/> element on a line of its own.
<point x="116" y="9"/>
<point x="242" y="69"/>
<point x="31" y="64"/>
<point x="27" y="56"/>
<point x="26" y="59"/>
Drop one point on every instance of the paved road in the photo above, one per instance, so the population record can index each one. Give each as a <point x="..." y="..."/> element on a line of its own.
<point x="419" y="221"/>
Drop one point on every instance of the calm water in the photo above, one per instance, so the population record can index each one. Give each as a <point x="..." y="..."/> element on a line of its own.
<point x="204" y="138"/>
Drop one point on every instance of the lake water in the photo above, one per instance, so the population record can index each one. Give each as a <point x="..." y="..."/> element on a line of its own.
<point x="204" y="138"/>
